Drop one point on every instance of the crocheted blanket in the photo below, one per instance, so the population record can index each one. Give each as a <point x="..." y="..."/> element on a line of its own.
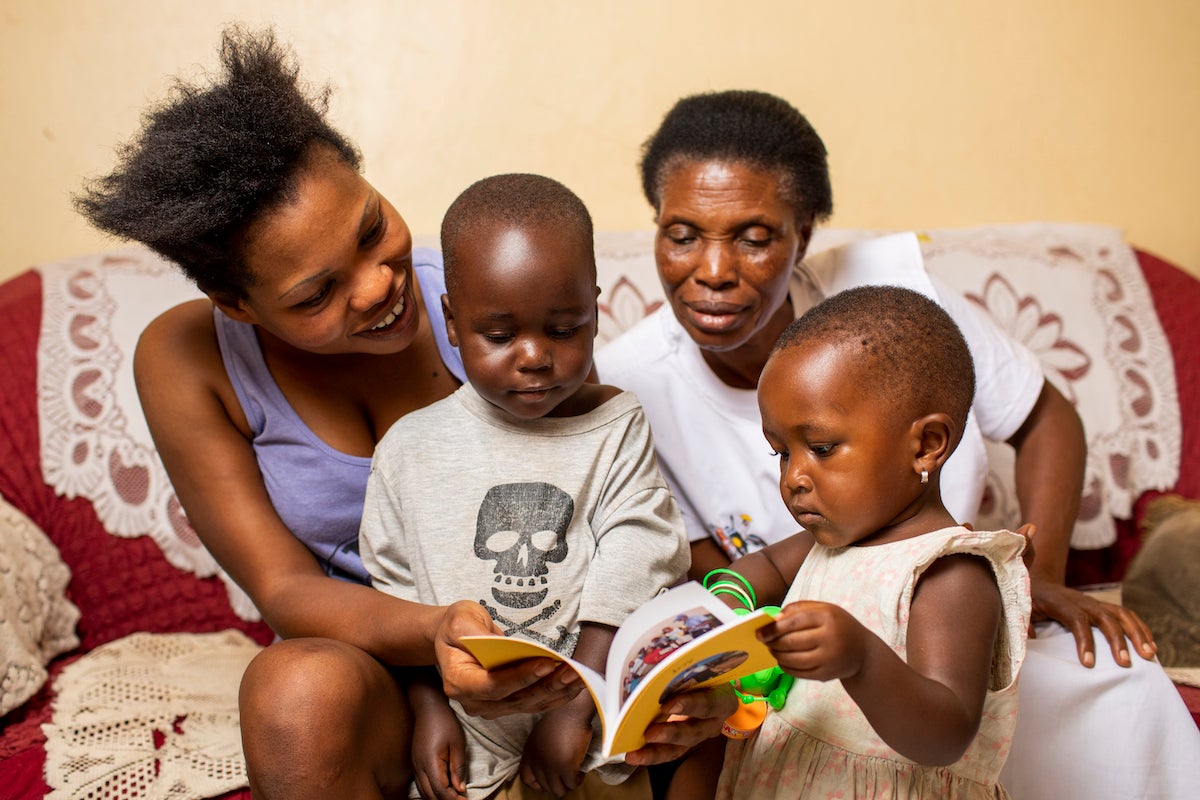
<point x="150" y="715"/>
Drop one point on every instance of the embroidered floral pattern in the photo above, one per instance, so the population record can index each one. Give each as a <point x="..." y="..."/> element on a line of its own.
<point x="1075" y="296"/>
<point x="625" y="308"/>
<point x="1041" y="331"/>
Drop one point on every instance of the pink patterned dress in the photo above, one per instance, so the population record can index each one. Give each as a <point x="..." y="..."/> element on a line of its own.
<point x="821" y="746"/>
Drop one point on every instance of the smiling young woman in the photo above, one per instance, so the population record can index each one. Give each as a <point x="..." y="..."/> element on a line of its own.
<point x="322" y="327"/>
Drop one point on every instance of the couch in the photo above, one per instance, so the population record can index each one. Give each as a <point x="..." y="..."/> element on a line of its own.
<point x="1114" y="326"/>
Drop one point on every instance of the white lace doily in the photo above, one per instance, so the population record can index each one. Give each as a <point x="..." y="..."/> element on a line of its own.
<point x="151" y="716"/>
<point x="1075" y="295"/>
<point x="37" y="621"/>
<point x="94" y="439"/>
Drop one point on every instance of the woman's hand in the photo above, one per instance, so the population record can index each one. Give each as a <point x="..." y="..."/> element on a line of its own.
<point x="689" y="718"/>
<point x="1051" y="453"/>
<point x="529" y="686"/>
<point x="1078" y="612"/>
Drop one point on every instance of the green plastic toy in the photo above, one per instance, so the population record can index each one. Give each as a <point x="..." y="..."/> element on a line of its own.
<point x="767" y="685"/>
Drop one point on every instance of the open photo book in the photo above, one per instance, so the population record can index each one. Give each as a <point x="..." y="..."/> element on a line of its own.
<point x="685" y="638"/>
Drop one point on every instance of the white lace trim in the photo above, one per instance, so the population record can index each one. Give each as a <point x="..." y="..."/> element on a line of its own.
<point x="94" y="439"/>
<point x="150" y="715"/>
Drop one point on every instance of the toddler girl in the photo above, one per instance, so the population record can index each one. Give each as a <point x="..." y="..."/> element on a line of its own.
<point x="905" y="631"/>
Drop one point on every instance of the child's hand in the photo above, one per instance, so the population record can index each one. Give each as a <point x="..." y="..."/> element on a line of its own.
<point x="555" y="749"/>
<point x="439" y="754"/>
<point x="816" y="641"/>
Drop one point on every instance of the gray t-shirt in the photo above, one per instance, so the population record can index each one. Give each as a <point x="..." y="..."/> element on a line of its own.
<point x="547" y="523"/>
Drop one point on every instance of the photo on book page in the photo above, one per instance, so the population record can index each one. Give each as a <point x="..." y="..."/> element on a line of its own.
<point x="663" y="638"/>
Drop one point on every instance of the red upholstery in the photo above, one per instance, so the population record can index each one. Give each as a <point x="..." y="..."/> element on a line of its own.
<point x="1176" y="296"/>
<point x="120" y="585"/>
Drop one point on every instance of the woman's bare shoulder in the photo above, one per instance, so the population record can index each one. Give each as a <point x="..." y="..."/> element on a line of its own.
<point x="178" y="363"/>
<point x="181" y="337"/>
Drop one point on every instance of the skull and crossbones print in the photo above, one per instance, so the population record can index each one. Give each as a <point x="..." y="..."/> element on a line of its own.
<point x="522" y="527"/>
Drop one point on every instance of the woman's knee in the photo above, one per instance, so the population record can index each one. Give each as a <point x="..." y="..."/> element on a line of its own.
<point x="310" y="679"/>
<point x="326" y="705"/>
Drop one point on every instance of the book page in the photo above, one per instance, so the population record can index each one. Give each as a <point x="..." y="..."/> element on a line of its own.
<point x="728" y="651"/>
<point x="496" y="651"/>
<point x="655" y="630"/>
<point x="683" y="639"/>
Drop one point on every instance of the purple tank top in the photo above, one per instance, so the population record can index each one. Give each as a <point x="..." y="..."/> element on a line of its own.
<point x="317" y="491"/>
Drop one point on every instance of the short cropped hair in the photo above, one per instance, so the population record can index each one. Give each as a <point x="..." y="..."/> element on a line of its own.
<point x="212" y="159"/>
<point x="757" y="129"/>
<point x="517" y="199"/>
<point x="919" y="357"/>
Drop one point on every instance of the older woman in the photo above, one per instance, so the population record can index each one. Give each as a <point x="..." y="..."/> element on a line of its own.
<point x="738" y="180"/>
<point x="322" y="327"/>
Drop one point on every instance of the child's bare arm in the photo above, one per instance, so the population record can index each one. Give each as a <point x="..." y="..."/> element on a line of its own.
<point x="772" y="569"/>
<point x="929" y="708"/>
<point x="439" y="748"/>
<point x="559" y="741"/>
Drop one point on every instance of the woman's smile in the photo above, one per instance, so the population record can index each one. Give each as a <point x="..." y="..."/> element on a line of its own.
<point x="397" y="319"/>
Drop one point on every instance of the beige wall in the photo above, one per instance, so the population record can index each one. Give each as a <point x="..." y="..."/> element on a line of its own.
<point x="936" y="113"/>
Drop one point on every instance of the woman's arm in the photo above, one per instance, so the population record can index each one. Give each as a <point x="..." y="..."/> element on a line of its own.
<point x="707" y="555"/>
<point x="203" y="439"/>
<point x="1051" y="454"/>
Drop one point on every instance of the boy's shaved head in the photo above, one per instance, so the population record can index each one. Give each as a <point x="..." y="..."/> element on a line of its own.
<point x="516" y="199"/>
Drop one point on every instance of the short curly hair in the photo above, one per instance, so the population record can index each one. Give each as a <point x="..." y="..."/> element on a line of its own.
<point x="747" y="127"/>
<point x="919" y="357"/>
<point x="212" y="159"/>
<point x="514" y="199"/>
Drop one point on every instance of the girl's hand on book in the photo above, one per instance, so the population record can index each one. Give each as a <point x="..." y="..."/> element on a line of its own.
<point x="689" y="719"/>
<point x="817" y="641"/>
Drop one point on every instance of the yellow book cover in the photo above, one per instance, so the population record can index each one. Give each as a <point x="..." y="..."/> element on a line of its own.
<point x="684" y="638"/>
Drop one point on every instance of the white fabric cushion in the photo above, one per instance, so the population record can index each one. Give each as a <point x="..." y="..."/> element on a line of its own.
<point x="37" y="621"/>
